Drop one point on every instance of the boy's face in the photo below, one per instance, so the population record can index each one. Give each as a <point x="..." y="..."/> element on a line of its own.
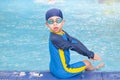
<point x="55" y="24"/>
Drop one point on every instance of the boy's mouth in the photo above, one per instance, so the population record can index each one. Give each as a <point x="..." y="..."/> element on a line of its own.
<point x="55" y="28"/>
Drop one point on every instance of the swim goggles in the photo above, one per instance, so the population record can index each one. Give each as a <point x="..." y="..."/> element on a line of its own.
<point x="58" y="20"/>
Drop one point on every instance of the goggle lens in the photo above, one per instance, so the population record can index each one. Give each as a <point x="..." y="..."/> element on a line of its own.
<point x="59" y="20"/>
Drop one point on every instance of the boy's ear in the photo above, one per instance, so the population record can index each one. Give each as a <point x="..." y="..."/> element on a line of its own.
<point x="46" y="23"/>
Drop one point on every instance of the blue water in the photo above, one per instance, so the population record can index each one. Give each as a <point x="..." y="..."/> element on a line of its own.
<point x="24" y="36"/>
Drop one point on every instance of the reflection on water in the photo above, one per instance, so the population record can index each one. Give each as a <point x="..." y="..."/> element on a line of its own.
<point x="109" y="2"/>
<point x="48" y="1"/>
<point x="111" y="9"/>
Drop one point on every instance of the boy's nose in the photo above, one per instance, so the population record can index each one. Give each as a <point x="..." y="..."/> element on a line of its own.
<point x="55" y="23"/>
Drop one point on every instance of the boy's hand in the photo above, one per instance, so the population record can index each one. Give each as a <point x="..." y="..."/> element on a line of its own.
<point x="96" y="57"/>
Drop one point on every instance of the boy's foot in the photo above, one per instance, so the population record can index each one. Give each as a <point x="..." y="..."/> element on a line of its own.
<point x="100" y="66"/>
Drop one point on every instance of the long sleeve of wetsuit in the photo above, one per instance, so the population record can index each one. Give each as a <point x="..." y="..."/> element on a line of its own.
<point x="70" y="43"/>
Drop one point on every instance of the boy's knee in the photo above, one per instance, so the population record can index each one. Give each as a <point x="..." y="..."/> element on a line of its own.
<point x="87" y="63"/>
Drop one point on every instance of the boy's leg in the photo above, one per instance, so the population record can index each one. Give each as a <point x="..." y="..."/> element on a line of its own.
<point x="89" y="66"/>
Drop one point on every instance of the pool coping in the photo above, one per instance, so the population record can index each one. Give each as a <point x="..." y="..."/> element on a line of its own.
<point x="46" y="75"/>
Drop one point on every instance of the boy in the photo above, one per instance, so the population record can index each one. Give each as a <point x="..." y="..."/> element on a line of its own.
<point x="60" y="42"/>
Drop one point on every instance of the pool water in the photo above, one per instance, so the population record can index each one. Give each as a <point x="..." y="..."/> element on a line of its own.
<point x="24" y="35"/>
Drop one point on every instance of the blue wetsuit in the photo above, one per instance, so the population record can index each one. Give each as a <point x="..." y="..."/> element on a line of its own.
<point x="59" y="46"/>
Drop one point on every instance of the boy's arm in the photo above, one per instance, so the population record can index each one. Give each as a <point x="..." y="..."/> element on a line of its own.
<point x="79" y="47"/>
<point x="73" y="44"/>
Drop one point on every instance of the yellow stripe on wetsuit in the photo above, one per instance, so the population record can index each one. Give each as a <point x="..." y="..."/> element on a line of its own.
<point x="71" y="70"/>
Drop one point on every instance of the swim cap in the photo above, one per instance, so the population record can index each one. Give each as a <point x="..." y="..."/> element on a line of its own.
<point x="53" y="12"/>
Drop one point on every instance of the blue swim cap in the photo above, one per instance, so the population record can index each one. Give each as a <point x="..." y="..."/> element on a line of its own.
<point x="53" y="12"/>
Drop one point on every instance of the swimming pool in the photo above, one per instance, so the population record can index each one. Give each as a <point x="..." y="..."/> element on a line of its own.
<point x="24" y="36"/>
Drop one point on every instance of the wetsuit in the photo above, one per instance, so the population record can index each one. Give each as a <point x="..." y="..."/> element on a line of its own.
<point x="59" y="46"/>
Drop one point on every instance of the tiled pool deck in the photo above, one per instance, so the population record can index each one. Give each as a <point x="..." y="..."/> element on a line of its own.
<point x="33" y="75"/>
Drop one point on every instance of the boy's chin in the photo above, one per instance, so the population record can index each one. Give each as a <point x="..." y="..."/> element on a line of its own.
<point x="56" y="31"/>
